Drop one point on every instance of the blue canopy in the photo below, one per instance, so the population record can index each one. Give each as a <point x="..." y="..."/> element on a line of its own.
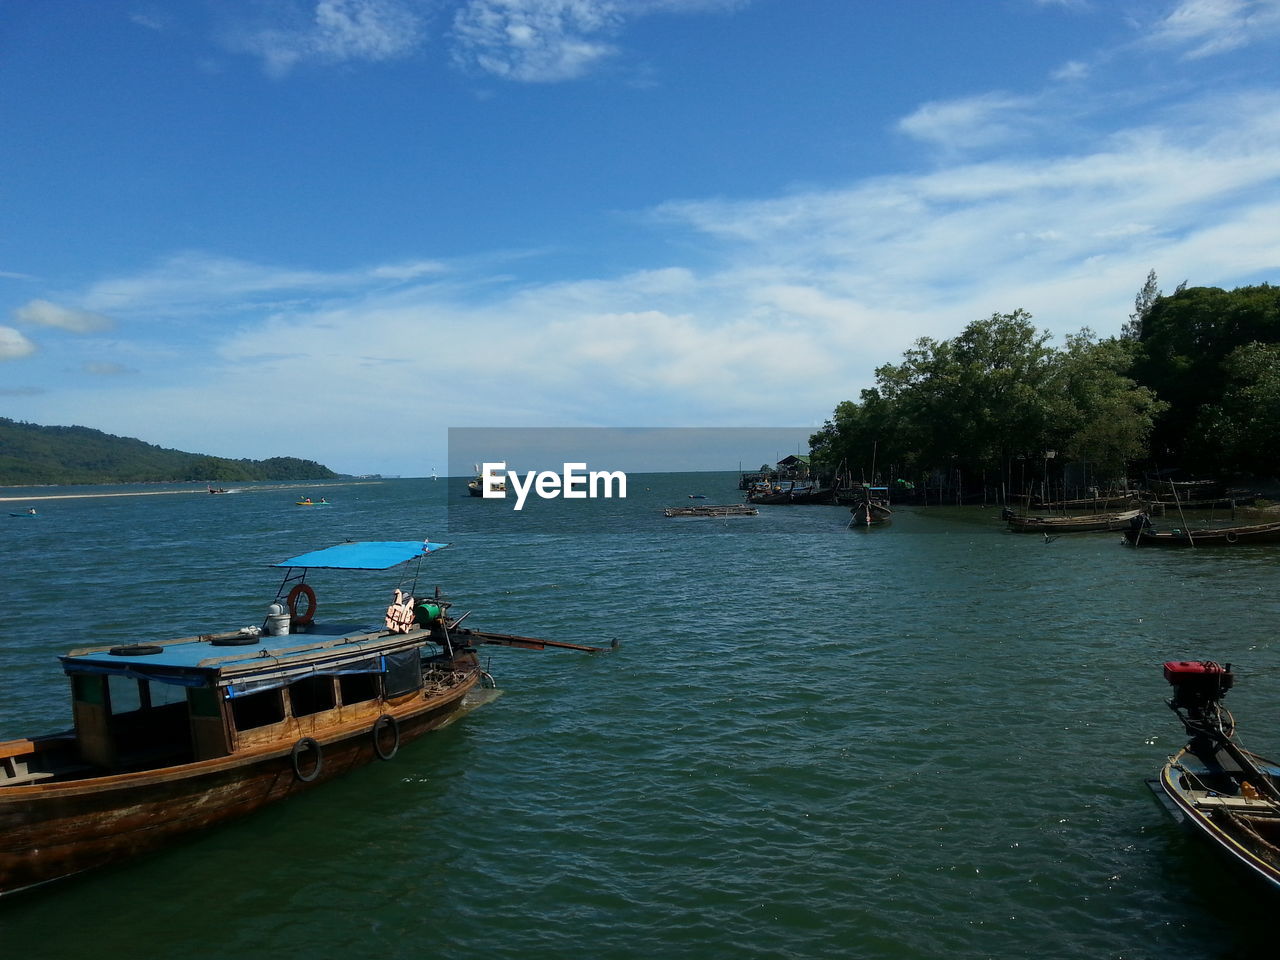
<point x="370" y="555"/>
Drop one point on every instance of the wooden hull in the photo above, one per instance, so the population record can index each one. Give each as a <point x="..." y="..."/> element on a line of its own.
<point x="1090" y="523"/>
<point x="1093" y="504"/>
<point x="770" y="499"/>
<point x="1247" y="831"/>
<point x="1220" y="537"/>
<point x="870" y="514"/>
<point x="53" y="829"/>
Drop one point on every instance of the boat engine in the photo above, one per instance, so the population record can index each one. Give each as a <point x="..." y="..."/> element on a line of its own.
<point x="1198" y="685"/>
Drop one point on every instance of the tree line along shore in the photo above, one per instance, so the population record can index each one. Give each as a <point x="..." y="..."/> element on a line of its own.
<point x="1191" y="387"/>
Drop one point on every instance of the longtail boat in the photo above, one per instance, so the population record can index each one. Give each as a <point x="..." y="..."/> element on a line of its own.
<point x="178" y="735"/>
<point x="870" y="506"/>
<point x="1141" y="534"/>
<point x="1225" y="793"/>
<point x="1085" y="523"/>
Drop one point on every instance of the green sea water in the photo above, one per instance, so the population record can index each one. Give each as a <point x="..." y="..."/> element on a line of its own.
<point x="926" y="740"/>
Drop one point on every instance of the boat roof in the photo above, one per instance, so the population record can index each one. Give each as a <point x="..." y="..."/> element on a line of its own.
<point x="214" y="658"/>
<point x="327" y="648"/>
<point x="366" y="555"/>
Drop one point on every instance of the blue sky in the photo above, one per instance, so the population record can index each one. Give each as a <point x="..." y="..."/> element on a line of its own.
<point x="334" y="228"/>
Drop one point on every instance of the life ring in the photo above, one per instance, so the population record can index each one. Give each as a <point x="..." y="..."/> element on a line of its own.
<point x="301" y="747"/>
<point x="384" y="722"/>
<point x="296" y="618"/>
<point x="1231" y="537"/>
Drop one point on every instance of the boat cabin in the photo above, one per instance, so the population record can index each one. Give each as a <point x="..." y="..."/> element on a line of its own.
<point x="145" y="705"/>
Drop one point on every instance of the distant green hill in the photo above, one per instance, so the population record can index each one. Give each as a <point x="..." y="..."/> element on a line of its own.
<point x="32" y="454"/>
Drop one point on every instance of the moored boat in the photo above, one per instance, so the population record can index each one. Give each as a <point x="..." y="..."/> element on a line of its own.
<point x="1084" y="523"/>
<point x="1140" y="533"/>
<point x="178" y="735"/>
<point x="789" y="491"/>
<point x="1227" y="794"/>
<point x="870" y="506"/>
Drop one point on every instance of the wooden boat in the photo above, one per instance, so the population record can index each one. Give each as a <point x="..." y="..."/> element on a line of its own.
<point x="870" y="507"/>
<point x="713" y="510"/>
<point x="814" y="494"/>
<point x="1225" y="793"/>
<point x="1085" y="523"/>
<point x="1095" y="504"/>
<point x="789" y="491"/>
<point x="1141" y="534"/>
<point x="179" y="735"/>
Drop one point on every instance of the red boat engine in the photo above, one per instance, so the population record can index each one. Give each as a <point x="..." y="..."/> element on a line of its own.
<point x="1197" y="684"/>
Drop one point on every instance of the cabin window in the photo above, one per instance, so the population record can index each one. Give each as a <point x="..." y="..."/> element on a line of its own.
<point x="125" y="694"/>
<point x="311" y="695"/>
<point x="358" y="687"/>
<point x="404" y="673"/>
<point x="258" y="709"/>
<point x="163" y="694"/>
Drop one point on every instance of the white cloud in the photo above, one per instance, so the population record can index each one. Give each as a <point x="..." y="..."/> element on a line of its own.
<point x="1071" y="71"/>
<point x="184" y="284"/>
<point x="13" y="345"/>
<point x="969" y="122"/>
<point x="535" y="40"/>
<point x="547" y="41"/>
<point x="530" y="41"/>
<point x="1208" y="27"/>
<point x="337" y="31"/>
<point x="42" y="313"/>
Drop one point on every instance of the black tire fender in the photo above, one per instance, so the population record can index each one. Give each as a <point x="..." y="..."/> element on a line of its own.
<point x="384" y="722"/>
<point x="295" y="757"/>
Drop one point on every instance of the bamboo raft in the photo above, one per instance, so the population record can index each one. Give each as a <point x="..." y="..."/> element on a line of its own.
<point x="713" y="510"/>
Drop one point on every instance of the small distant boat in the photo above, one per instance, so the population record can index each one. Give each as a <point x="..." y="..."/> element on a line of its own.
<point x="308" y="502"/>
<point x="1227" y="794"/>
<point x="1085" y="523"/>
<point x="697" y="496"/>
<point x="476" y="487"/>
<point x="217" y="489"/>
<point x="174" y="736"/>
<point x="29" y="513"/>
<point x="1141" y="534"/>
<point x="870" y="507"/>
